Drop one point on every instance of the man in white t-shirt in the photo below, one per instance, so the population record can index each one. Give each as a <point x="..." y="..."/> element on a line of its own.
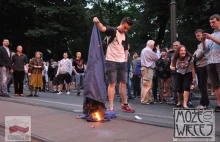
<point x="116" y="58"/>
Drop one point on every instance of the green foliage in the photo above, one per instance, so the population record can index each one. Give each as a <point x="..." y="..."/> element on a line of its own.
<point x="65" y="25"/>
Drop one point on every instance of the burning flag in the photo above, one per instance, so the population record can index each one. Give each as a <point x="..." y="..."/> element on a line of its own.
<point x="94" y="84"/>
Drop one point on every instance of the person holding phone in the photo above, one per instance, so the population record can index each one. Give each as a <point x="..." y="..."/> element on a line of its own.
<point x="211" y="47"/>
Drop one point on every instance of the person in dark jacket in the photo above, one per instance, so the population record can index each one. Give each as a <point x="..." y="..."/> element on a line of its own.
<point x="19" y="60"/>
<point x="164" y="75"/>
<point x="5" y="67"/>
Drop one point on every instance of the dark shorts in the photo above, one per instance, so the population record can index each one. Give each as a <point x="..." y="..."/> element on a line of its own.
<point x="64" y="77"/>
<point x="214" y="74"/>
<point x="183" y="82"/>
<point x="117" y="71"/>
<point x="56" y="81"/>
<point x="51" y="77"/>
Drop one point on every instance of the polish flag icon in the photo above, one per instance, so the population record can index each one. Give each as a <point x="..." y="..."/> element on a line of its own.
<point x="17" y="125"/>
<point x="16" y="128"/>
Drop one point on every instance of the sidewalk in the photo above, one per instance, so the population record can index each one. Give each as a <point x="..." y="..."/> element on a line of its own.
<point x="61" y="126"/>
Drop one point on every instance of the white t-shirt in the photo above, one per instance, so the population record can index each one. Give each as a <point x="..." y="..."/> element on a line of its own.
<point x="116" y="49"/>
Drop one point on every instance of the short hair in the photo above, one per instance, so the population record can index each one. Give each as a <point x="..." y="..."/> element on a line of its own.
<point x="150" y="42"/>
<point x="65" y="53"/>
<point x="39" y="53"/>
<point x="176" y="42"/>
<point x="215" y="16"/>
<point x="4" y="39"/>
<point x="127" y="20"/>
<point x="78" y="53"/>
<point x="18" y="46"/>
<point x="199" y="30"/>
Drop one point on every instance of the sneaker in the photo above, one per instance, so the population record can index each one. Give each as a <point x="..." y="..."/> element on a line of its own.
<point x="217" y="109"/>
<point x="29" y="95"/>
<point x="36" y="95"/>
<point x="59" y="93"/>
<point x="201" y="107"/>
<point x="68" y="93"/>
<point x="190" y="104"/>
<point x="127" y="108"/>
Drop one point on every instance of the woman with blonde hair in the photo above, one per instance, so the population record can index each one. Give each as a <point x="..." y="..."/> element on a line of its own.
<point x="36" y="67"/>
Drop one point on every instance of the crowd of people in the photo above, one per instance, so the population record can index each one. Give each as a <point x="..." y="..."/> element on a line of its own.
<point x="176" y="71"/>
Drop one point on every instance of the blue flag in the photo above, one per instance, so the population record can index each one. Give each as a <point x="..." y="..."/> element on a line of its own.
<point x="94" y="83"/>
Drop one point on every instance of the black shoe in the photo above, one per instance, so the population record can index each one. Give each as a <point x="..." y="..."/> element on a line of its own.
<point x="217" y="109"/>
<point x="78" y="93"/>
<point x="5" y="95"/>
<point x="36" y="96"/>
<point x="29" y="96"/>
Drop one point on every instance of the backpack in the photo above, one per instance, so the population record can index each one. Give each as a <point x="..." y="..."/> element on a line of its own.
<point x="138" y="68"/>
<point x="109" y="39"/>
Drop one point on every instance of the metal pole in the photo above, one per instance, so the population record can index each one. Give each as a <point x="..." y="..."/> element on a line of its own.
<point x="173" y="20"/>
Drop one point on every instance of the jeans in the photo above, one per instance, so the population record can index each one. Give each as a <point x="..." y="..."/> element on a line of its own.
<point x="4" y="73"/>
<point x="78" y="78"/>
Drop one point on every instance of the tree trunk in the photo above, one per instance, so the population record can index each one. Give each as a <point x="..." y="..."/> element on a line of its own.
<point x="163" y="23"/>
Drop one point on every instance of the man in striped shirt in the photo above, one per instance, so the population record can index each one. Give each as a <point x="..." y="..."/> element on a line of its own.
<point x="211" y="45"/>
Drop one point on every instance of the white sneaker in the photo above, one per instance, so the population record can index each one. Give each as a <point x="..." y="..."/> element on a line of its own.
<point x="68" y="93"/>
<point x="201" y="107"/>
<point x="59" y="93"/>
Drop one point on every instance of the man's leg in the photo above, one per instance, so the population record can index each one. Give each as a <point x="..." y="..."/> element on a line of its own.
<point x="77" y="82"/>
<point x="21" y="82"/>
<point x="147" y="74"/>
<point x="203" y="76"/>
<point x="173" y="89"/>
<point x="111" y="94"/>
<point x="16" y="78"/>
<point x="122" y="90"/>
<point x="217" y="88"/>
<point x="68" y="81"/>
<point x="4" y="77"/>
<point x="129" y="87"/>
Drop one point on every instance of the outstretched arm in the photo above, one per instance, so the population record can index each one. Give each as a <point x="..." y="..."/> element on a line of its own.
<point x="99" y="24"/>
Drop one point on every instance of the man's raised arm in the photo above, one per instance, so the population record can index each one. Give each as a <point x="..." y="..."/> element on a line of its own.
<point x="99" y="24"/>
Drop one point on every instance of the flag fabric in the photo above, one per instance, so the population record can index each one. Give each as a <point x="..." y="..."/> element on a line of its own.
<point x="94" y="82"/>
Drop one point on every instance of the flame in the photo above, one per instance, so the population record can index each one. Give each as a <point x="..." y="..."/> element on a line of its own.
<point x="97" y="116"/>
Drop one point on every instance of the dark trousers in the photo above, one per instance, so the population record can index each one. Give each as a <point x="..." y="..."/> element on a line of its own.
<point x="173" y="89"/>
<point x="155" y="86"/>
<point x="44" y="83"/>
<point x="18" y="81"/>
<point x="202" y="81"/>
<point x="136" y="81"/>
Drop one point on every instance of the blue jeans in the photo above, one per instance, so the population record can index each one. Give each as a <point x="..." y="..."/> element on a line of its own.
<point x="78" y="77"/>
<point x="4" y="76"/>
